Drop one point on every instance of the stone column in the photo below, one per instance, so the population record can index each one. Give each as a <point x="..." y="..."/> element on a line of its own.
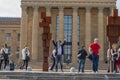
<point x="23" y="29"/>
<point x="35" y="27"/>
<point x="111" y="9"/>
<point x="88" y="27"/>
<point x="101" y="32"/>
<point x="61" y="23"/>
<point x="48" y="13"/>
<point x="14" y="44"/>
<point x="75" y="36"/>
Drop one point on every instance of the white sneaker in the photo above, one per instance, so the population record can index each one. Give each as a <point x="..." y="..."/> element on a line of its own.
<point x="114" y="71"/>
<point x="96" y="72"/>
<point x="51" y="70"/>
<point x="93" y="72"/>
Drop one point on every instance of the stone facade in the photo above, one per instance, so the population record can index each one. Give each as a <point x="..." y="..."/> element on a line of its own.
<point x="10" y="34"/>
<point x="92" y="14"/>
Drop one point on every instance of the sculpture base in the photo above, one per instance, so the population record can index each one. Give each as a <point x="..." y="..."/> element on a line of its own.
<point x="45" y="66"/>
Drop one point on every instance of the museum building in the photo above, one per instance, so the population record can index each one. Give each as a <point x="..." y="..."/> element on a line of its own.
<point x="80" y="21"/>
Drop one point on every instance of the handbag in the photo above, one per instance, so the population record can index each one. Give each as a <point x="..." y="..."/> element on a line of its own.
<point x="79" y="55"/>
<point x="90" y="56"/>
<point x="1" y="57"/>
<point x="27" y="58"/>
<point x="6" y="56"/>
<point x="51" y="57"/>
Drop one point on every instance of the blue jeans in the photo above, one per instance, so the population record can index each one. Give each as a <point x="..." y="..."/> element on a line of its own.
<point x="57" y="60"/>
<point x="95" y="63"/>
<point x="81" y="64"/>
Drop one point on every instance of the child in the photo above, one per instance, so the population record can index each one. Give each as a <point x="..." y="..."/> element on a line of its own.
<point x="12" y="66"/>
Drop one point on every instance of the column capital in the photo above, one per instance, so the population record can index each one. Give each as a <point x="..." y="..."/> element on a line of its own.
<point x="88" y="9"/>
<point x="35" y="8"/>
<point x="111" y="8"/>
<point x="23" y="7"/>
<point x="100" y="9"/>
<point x="75" y="8"/>
<point x="48" y="8"/>
<point x="61" y="8"/>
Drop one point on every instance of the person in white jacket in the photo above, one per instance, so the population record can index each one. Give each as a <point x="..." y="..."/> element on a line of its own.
<point x="25" y="57"/>
<point x="6" y="55"/>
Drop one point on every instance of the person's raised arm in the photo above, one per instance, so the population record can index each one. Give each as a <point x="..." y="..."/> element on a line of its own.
<point x="54" y="42"/>
<point x="65" y="39"/>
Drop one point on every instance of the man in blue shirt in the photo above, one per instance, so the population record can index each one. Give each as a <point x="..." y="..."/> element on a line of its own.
<point x="59" y="51"/>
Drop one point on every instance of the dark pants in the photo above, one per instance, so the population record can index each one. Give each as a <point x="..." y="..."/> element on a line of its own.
<point x="95" y="63"/>
<point x="57" y="60"/>
<point x="6" y="62"/>
<point x="108" y="65"/>
<point x="1" y="62"/>
<point x="114" y="64"/>
<point x="81" y="65"/>
<point x="53" y="64"/>
<point x="25" y="63"/>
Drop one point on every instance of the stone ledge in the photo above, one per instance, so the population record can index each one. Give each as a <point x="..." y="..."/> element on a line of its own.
<point x="70" y="0"/>
<point x="57" y="76"/>
<point x="69" y="3"/>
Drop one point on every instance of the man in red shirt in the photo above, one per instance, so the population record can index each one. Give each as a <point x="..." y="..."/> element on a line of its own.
<point x="94" y="49"/>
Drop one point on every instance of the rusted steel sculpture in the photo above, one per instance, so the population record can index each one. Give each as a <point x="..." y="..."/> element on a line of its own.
<point x="113" y="31"/>
<point x="46" y="37"/>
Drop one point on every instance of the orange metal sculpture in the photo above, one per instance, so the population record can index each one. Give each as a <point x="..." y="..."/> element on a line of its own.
<point x="46" y="37"/>
<point x="113" y="30"/>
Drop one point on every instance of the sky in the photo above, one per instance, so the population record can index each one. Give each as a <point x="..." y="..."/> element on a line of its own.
<point x="11" y="8"/>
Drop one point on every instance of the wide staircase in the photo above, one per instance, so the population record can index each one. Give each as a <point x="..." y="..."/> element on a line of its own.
<point x="88" y="65"/>
<point x="38" y="74"/>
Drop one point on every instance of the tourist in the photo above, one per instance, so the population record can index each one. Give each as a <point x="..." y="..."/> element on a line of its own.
<point x="25" y="57"/>
<point x="94" y="49"/>
<point x="1" y="57"/>
<point x="81" y="59"/>
<point x="12" y="66"/>
<point x="59" y="52"/>
<point x="114" y="57"/>
<point x="6" y="55"/>
<point x="118" y="60"/>
<point x="108" y="59"/>
<point x="52" y="57"/>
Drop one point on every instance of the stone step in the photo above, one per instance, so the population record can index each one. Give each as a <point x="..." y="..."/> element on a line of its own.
<point x="102" y="65"/>
<point x="57" y="76"/>
<point x="88" y="65"/>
